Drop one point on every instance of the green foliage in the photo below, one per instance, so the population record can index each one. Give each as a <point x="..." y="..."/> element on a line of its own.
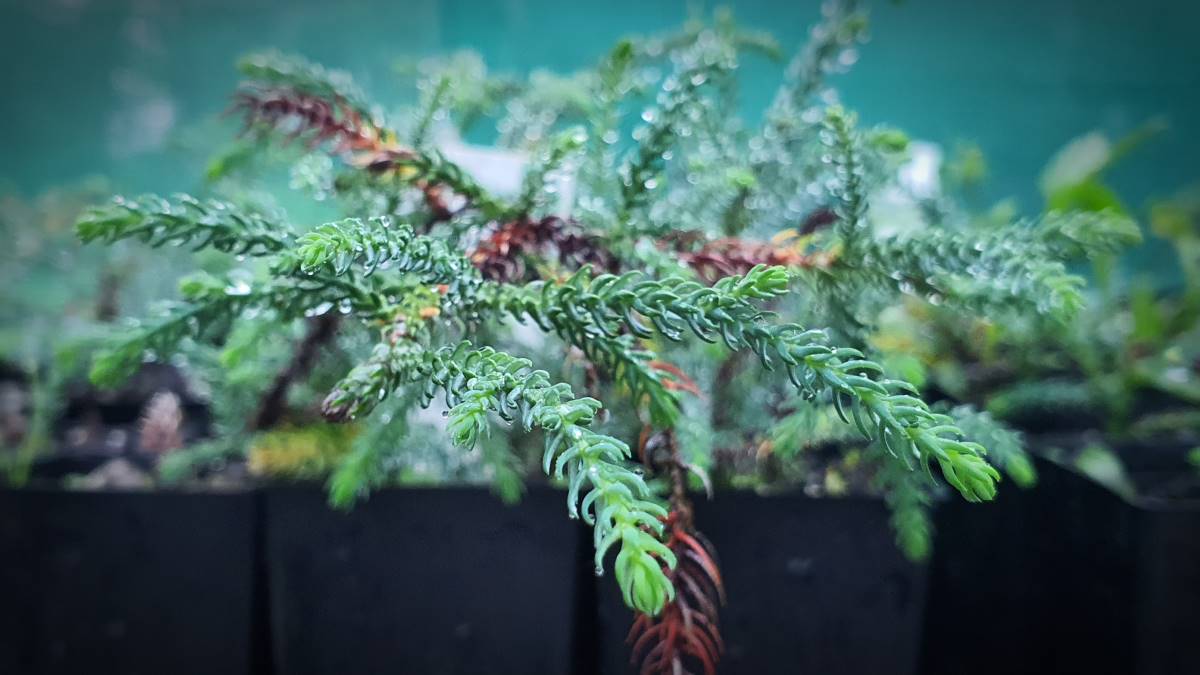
<point x="457" y="86"/>
<point x="183" y="220"/>
<point x="165" y="334"/>
<point x="304" y="453"/>
<point x="1074" y="178"/>
<point x="829" y="49"/>
<point x="179" y="465"/>
<point x="966" y="168"/>
<point x="1118" y="365"/>
<point x="420" y="313"/>
<point x="850" y="205"/>
<point x="550" y="162"/>
<point x="1079" y="235"/>
<point x="676" y="105"/>
<point x="808" y="426"/>
<point x="16" y="463"/>
<point x="881" y="408"/>
<point x="275" y="70"/>
<point x="1098" y="462"/>
<point x="909" y="499"/>
<point x="333" y="248"/>
<point x="372" y="380"/>
<point x="209" y="308"/>
<point x="1018" y="267"/>
<point x="609" y="496"/>
<point x="1006" y="448"/>
<point x="55" y="295"/>
<point x="434" y="168"/>
<point x="984" y="274"/>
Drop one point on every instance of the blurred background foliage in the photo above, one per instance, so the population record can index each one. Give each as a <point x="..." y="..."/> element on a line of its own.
<point x="130" y="89"/>
<point x="1031" y="106"/>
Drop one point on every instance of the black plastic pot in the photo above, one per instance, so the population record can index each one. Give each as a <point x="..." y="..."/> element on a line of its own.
<point x="1065" y="578"/>
<point x="423" y="581"/>
<point x="1168" y="585"/>
<point x="1161" y="471"/>
<point x="814" y="586"/>
<point x="126" y="583"/>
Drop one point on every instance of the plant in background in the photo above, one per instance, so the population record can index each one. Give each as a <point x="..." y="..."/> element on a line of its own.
<point x="1122" y="376"/>
<point x="699" y="251"/>
<point x="57" y="300"/>
<point x="39" y="297"/>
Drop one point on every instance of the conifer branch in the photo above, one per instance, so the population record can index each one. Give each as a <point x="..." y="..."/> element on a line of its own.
<point x="376" y="243"/>
<point x="1006" y="447"/>
<point x="842" y="27"/>
<point x="432" y="104"/>
<point x="291" y="95"/>
<point x="370" y="382"/>
<point x="984" y="273"/>
<point x="433" y="169"/>
<point x="850" y="205"/>
<point x="301" y="99"/>
<point x="601" y="487"/>
<point x="274" y="70"/>
<point x="687" y="631"/>
<point x="611" y="84"/>
<point x="1077" y="235"/>
<point x="314" y="120"/>
<point x="334" y="248"/>
<point x="679" y="102"/>
<point x="883" y="409"/>
<point x="909" y="499"/>
<point x="208" y="308"/>
<point x="162" y="336"/>
<point x="551" y="159"/>
<point x="364" y="468"/>
<point x="184" y="220"/>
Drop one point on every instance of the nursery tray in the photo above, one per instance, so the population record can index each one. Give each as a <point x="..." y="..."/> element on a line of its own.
<point x="126" y="583"/>
<point x="1067" y="577"/>
<point x="814" y="586"/>
<point x="431" y="581"/>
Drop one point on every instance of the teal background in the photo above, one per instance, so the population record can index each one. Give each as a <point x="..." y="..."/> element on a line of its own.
<point x="129" y="89"/>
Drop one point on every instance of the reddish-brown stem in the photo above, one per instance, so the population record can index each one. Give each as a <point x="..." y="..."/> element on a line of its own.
<point x="685" y="634"/>
<point x="273" y="405"/>
<point x="502" y="255"/>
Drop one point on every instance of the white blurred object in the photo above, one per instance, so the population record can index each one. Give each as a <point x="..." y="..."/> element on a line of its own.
<point x="894" y="212"/>
<point x="921" y="174"/>
<point x="895" y="209"/>
<point x="1075" y="162"/>
<point x="501" y="171"/>
<point x="498" y="170"/>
